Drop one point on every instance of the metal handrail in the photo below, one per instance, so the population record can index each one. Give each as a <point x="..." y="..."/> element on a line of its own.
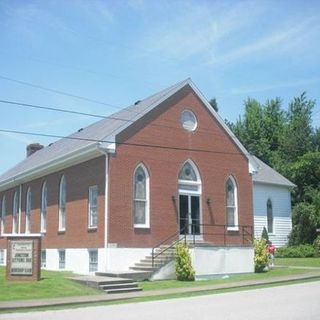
<point x="245" y="230"/>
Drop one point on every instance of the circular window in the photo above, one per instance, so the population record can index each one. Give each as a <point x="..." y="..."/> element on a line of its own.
<point x="189" y="120"/>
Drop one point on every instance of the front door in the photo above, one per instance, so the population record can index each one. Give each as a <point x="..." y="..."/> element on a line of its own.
<point x="189" y="214"/>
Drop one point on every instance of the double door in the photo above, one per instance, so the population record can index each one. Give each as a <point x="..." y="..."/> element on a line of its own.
<point x="189" y="209"/>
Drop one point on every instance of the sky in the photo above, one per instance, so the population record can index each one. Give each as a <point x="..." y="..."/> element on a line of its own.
<point x="98" y="56"/>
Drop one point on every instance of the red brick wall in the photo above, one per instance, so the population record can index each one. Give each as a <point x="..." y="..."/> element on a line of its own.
<point x="79" y="178"/>
<point x="162" y="127"/>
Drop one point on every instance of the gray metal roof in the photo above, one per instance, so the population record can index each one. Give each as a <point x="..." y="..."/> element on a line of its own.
<point x="266" y="174"/>
<point x="101" y="133"/>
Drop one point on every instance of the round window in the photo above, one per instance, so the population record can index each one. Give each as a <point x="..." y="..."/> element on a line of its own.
<point x="189" y="120"/>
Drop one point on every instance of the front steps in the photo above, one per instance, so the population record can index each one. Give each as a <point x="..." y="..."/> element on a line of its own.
<point x="109" y="284"/>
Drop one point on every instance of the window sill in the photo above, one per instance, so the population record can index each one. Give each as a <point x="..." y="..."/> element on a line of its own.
<point x="139" y="226"/>
<point x="92" y="229"/>
<point x="233" y="229"/>
<point x="62" y="231"/>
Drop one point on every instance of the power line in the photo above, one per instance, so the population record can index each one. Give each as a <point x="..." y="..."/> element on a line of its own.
<point x="118" y="143"/>
<point x="60" y="92"/>
<point x="27" y="105"/>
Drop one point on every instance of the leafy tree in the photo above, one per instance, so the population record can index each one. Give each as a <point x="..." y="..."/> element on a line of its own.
<point x="305" y="173"/>
<point x="298" y="134"/>
<point x="214" y="104"/>
<point x="304" y="219"/>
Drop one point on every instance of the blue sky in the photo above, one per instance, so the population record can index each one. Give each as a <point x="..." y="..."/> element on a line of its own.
<point x="117" y="52"/>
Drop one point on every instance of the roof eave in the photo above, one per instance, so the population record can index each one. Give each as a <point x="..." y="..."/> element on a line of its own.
<point x="78" y="156"/>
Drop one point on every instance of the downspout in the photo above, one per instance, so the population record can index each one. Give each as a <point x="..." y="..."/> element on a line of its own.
<point x="20" y="201"/>
<point x="106" y="151"/>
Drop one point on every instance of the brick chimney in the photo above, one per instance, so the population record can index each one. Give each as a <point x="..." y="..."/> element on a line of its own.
<point x="32" y="148"/>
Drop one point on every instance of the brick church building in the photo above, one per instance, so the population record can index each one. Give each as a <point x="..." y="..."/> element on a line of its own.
<point x="165" y="168"/>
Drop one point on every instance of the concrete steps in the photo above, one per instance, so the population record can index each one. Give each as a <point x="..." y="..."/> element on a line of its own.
<point x="164" y="254"/>
<point x="109" y="284"/>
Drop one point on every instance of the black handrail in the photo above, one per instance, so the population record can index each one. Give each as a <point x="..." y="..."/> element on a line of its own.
<point x="246" y="231"/>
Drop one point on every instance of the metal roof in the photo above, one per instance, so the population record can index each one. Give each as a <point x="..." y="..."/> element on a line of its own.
<point x="99" y="134"/>
<point x="266" y="174"/>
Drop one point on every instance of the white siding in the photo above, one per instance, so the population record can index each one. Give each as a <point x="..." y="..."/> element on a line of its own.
<point x="281" y="205"/>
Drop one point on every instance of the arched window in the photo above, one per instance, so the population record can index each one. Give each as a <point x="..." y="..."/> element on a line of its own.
<point x="44" y="207"/>
<point x="270" y="216"/>
<point x="232" y="204"/>
<point x="141" y="201"/>
<point x="189" y="178"/>
<point x="28" y="210"/>
<point x="62" y="203"/>
<point x="3" y="215"/>
<point x="15" y="213"/>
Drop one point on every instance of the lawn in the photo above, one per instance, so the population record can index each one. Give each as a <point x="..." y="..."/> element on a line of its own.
<point x="274" y="273"/>
<point x="299" y="262"/>
<point x="52" y="285"/>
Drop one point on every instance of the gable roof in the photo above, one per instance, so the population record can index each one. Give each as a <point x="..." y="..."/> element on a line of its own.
<point x="266" y="174"/>
<point x="96" y="138"/>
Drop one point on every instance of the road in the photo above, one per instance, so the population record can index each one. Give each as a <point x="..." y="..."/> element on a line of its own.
<point x="300" y="301"/>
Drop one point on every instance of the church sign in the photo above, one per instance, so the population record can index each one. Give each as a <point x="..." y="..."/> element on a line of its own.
<point x="21" y="257"/>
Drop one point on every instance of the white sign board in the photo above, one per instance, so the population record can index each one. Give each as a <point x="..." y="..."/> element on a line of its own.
<point x="21" y="257"/>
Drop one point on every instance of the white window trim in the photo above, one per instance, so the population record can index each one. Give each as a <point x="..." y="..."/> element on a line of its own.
<point x="43" y="215"/>
<point x="63" y="183"/>
<point x="273" y="225"/>
<point x="28" y="213"/>
<point x="236" y="215"/>
<point x="92" y="227"/>
<point x="65" y="258"/>
<point x="147" y="200"/>
<point x="90" y="251"/>
<point x="15" y="213"/>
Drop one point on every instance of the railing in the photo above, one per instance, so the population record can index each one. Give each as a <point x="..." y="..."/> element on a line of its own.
<point x="215" y="234"/>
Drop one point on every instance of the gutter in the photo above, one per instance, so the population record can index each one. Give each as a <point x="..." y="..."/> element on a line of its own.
<point x="78" y="156"/>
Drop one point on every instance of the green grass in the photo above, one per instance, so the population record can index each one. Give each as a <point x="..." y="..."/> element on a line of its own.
<point x="299" y="262"/>
<point x="51" y="285"/>
<point x="166" y="284"/>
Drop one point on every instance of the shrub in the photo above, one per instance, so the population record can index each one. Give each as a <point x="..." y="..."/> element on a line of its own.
<point x="301" y="251"/>
<point x="316" y="245"/>
<point x="264" y="235"/>
<point x="260" y="255"/>
<point x="184" y="269"/>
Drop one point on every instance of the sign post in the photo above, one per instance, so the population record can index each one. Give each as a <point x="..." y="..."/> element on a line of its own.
<point x="23" y="257"/>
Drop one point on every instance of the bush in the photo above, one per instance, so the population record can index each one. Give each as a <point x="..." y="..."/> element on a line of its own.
<point x="264" y="235"/>
<point x="301" y="251"/>
<point x="260" y="255"/>
<point x="316" y="245"/>
<point x="184" y="269"/>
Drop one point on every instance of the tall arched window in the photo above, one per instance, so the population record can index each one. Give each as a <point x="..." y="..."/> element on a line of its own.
<point x="3" y="215"/>
<point x="28" y="210"/>
<point x="62" y="203"/>
<point x="141" y="203"/>
<point x="232" y="204"/>
<point x="44" y="207"/>
<point x="15" y="213"/>
<point x="270" y="216"/>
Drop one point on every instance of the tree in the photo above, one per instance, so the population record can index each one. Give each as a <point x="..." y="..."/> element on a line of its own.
<point x="214" y="104"/>
<point x="298" y="134"/>
<point x="305" y="173"/>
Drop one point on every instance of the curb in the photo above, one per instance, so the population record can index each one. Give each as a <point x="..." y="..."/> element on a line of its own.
<point x="26" y="304"/>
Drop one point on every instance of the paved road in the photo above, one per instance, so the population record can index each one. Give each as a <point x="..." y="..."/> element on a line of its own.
<point x="290" y="302"/>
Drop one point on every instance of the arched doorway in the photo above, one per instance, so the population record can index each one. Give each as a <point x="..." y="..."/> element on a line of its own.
<point x="189" y="185"/>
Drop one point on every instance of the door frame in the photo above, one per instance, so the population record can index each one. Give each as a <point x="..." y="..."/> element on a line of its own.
<point x="189" y="195"/>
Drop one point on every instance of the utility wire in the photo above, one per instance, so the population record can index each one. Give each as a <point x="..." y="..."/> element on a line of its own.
<point x="27" y="105"/>
<point x="59" y="92"/>
<point x="118" y="143"/>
